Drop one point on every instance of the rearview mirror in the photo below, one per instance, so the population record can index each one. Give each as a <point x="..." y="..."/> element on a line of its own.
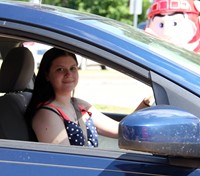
<point x="161" y="130"/>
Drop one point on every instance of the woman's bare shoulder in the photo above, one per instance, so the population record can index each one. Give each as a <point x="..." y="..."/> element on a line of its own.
<point x="46" y="114"/>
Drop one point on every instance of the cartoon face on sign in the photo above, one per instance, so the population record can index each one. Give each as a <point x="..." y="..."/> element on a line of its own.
<point x="176" y="21"/>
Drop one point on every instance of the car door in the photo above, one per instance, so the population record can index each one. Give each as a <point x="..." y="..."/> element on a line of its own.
<point x="128" y="64"/>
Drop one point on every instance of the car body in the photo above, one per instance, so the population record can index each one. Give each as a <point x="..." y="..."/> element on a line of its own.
<point x="142" y="25"/>
<point x="152" y="141"/>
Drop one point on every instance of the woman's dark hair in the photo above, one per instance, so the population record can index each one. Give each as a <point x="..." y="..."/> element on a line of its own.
<point x="43" y="90"/>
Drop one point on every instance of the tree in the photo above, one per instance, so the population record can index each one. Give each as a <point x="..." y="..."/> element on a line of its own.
<point x="115" y="9"/>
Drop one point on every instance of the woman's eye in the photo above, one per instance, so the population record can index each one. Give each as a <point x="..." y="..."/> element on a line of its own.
<point x="161" y="25"/>
<point x="60" y="69"/>
<point x="74" y="68"/>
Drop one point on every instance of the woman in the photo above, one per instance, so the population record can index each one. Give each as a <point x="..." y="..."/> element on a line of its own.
<point x="55" y="115"/>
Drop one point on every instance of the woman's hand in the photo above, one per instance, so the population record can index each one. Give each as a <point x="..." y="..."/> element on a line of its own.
<point x="149" y="101"/>
<point x="146" y="102"/>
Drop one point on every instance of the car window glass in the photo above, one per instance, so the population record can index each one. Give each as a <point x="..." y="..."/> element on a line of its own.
<point x="186" y="59"/>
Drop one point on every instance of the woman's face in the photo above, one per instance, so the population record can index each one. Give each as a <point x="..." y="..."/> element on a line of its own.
<point x="63" y="74"/>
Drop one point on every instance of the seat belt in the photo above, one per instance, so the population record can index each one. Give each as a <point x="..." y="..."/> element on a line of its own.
<point x="80" y="120"/>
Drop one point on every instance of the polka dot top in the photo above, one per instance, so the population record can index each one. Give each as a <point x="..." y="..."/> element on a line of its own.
<point x="74" y="131"/>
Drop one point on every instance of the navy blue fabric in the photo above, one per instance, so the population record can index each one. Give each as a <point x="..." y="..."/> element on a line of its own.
<point x="75" y="133"/>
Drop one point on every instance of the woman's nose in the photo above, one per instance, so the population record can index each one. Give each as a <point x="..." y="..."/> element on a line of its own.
<point x="67" y="72"/>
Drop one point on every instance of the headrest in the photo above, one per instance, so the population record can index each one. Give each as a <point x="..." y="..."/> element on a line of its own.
<point x="17" y="70"/>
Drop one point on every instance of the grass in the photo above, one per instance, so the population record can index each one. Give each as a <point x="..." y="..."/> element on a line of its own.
<point x="115" y="109"/>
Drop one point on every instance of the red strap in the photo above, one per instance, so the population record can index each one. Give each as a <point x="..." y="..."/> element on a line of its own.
<point x="58" y="109"/>
<point x="83" y="111"/>
<point x="63" y="115"/>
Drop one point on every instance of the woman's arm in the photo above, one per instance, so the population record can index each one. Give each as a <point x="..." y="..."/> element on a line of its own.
<point x="104" y="124"/>
<point x="49" y="127"/>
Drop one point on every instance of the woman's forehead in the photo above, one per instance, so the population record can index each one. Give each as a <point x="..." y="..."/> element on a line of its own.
<point x="65" y="60"/>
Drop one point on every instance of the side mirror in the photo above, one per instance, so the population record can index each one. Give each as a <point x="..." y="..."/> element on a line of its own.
<point x="161" y="130"/>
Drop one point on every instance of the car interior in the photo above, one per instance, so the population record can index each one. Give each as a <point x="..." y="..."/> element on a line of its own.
<point x="16" y="89"/>
<point x="16" y="84"/>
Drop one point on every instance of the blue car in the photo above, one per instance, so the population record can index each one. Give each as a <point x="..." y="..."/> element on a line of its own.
<point x="163" y="139"/>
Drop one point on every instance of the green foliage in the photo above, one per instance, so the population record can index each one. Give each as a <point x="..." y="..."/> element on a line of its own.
<point x="146" y="5"/>
<point x="62" y="3"/>
<point x="115" y="9"/>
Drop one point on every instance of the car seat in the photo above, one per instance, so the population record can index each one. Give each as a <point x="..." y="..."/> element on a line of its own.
<point x="16" y="72"/>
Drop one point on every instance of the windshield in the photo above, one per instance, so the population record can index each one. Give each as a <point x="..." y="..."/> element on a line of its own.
<point x="189" y="60"/>
<point x="183" y="57"/>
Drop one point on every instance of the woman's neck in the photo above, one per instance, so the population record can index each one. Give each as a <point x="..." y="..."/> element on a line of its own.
<point x="63" y="100"/>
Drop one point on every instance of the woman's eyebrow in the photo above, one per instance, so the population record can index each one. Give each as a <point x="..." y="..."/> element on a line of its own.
<point x="60" y="65"/>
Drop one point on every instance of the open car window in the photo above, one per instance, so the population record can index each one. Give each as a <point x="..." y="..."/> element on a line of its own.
<point x="109" y="90"/>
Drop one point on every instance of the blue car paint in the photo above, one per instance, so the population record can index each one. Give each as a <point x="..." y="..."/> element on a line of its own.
<point x="161" y="129"/>
<point x="31" y="162"/>
<point x="40" y="163"/>
<point x="76" y="25"/>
